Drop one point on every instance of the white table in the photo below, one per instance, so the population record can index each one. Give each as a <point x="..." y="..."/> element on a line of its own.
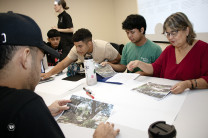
<point x="191" y="122"/>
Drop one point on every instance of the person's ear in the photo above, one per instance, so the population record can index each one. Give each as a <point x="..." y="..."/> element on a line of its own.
<point x="142" y="30"/>
<point x="48" y="39"/>
<point x="89" y="43"/>
<point x="25" y="58"/>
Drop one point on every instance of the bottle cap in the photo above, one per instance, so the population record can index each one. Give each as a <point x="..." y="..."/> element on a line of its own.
<point x="161" y="130"/>
<point x="88" y="56"/>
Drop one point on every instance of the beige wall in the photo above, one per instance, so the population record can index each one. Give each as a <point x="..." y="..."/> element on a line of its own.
<point x="102" y="17"/>
<point x="40" y="10"/>
<point x="122" y="9"/>
<point x="96" y="15"/>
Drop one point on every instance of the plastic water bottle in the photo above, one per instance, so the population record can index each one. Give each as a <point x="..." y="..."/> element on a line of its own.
<point x="90" y="73"/>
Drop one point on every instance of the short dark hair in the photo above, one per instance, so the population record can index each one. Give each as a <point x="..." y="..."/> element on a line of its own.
<point x="7" y="52"/>
<point x="53" y="33"/>
<point x="82" y="35"/>
<point x="134" y="21"/>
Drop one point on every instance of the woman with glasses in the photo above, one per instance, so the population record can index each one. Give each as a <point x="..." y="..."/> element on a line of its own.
<point x="184" y="59"/>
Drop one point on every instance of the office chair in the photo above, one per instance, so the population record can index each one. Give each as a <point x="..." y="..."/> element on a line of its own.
<point x="118" y="47"/>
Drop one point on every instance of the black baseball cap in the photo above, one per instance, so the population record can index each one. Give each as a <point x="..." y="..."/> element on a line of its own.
<point x="20" y="30"/>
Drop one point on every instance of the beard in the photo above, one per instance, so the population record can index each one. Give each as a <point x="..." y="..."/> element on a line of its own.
<point x="33" y="79"/>
<point x="34" y="72"/>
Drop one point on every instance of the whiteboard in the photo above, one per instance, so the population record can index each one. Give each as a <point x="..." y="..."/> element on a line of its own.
<point x="156" y="11"/>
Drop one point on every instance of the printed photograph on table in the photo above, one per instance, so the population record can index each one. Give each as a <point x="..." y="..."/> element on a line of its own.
<point x="86" y="112"/>
<point x="153" y="89"/>
<point x="104" y="71"/>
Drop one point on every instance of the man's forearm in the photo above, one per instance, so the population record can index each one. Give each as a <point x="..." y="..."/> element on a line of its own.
<point x="117" y="60"/>
<point x="118" y="67"/>
<point x="58" y="68"/>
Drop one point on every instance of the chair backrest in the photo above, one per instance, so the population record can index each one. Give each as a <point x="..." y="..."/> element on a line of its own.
<point x="118" y="47"/>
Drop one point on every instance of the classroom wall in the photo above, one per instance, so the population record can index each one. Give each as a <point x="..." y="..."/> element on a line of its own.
<point x="102" y="17"/>
<point x="123" y="8"/>
<point x="96" y="15"/>
<point x="40" y="10"/>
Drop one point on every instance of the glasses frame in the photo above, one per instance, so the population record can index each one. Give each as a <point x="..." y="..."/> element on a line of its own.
<point x="172" y="33"/>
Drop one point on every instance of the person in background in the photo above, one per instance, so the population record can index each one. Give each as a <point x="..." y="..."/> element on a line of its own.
<point x="100" y="50"/>
<point x="23" y="112"/>
<point x="65" y="26"/>
<point x="140" y="48"/>
<point x="184" y="59"/>
<point x="54" y="38"/>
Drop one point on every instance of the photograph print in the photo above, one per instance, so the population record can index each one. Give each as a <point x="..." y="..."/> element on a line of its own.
<point x="85" y="112"/>
<point x="153" y="89"/>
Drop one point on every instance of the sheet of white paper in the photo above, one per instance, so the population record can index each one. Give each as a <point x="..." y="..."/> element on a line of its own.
<point x="123" y="77"/>
<point x="133" y="109"/>
<point x="59" y="86"/>
<point x="73" y="131"/>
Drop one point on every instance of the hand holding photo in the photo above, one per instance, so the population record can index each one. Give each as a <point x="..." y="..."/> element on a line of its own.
<point x="105" y="71"/>
<point x="86" y="112"/>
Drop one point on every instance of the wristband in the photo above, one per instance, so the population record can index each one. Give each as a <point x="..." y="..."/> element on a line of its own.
<point x="192" y="86"/>
<point x="195" y="83"/>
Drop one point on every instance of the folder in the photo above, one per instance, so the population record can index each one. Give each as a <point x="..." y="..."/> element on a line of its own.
<point x="105" y="80"/>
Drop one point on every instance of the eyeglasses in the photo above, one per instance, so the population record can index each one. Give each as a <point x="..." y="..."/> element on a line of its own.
<point x="172" y="33"/>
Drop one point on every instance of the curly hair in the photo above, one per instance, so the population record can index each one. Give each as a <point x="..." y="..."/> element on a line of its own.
<point x="134" y="21"/>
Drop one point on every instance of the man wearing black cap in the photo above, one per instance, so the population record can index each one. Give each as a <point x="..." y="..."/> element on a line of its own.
<point x="54" y="38"/>
<point x="23" y="112"/>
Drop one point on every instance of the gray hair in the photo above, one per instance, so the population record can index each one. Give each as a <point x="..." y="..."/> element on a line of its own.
<point x="179" y="21"/>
